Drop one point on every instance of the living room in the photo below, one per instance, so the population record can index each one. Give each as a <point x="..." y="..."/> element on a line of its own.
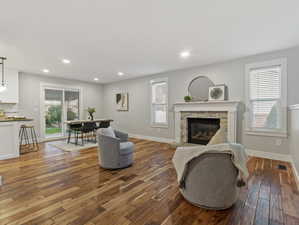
<point x="149" y="112"/>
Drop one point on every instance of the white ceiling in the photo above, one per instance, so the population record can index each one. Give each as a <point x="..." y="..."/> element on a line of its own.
<point x="139" y="37"/>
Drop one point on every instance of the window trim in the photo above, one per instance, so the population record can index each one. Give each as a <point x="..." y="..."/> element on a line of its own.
<point x="153" y="124"/>
<point x="283" y="100"/>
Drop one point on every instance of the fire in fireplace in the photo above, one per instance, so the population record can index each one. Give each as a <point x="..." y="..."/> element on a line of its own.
<point x="201" y="130"/>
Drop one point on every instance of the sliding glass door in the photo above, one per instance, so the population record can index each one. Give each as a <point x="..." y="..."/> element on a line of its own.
<point x="60" y="105"/>
<point x="72" y="104"/>
<point x="53" y="112"/>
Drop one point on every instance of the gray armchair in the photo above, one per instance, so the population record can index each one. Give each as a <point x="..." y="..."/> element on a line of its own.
<point x="211" y="181"/>
<point x="115" y="152"/>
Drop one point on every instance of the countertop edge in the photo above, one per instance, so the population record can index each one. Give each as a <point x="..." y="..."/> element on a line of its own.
<point x="9" y="121"/>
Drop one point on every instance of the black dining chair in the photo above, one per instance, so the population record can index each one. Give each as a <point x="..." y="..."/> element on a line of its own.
<point x="74" y="129"/>
<point x="103" y="124"/>
<point x="88" y="132"/>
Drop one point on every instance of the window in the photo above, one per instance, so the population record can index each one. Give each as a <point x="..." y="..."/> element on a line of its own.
<point x="266" y="98"/>
<point x="159" y="102"/>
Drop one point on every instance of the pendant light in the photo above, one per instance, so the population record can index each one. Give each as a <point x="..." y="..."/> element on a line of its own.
<point x="3" y="85"/>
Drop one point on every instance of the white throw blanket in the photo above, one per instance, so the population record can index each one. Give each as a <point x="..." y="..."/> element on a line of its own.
<point x="183" y="155"/>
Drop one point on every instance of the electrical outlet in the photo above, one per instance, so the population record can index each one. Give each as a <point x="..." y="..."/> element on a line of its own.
<point x="278" y="142"/>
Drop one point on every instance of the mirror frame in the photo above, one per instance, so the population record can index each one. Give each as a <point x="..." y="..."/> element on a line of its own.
<point x="190" y="83"/>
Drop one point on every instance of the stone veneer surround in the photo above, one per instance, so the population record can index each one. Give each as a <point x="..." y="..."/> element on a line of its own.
<point x="227" y="111"/>
<point x="216" y="114"/>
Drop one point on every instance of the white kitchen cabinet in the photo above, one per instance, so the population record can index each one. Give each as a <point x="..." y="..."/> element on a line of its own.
<point x="9" y="139"/>
<point x="11" y="94"/>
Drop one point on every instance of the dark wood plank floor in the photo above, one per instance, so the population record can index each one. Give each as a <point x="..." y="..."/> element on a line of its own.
<point x="56" y="187"/>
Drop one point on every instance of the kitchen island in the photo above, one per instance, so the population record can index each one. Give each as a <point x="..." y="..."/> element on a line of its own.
<point x="9" y="137"/>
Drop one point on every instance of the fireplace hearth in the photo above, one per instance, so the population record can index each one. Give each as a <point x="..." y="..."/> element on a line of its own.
<point x="201" y="130"/>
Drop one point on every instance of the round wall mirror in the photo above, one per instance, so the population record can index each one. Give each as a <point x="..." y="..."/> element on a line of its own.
<point x="199" y="88"/>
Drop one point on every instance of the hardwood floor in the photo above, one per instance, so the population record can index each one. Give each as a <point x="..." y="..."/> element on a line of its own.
<point x="56" y="187"/>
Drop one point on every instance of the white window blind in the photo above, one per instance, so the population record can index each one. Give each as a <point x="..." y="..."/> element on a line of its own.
<point x="266" y="98"/>
<point x="265" y="93"/>
<point x="159" y="101"/>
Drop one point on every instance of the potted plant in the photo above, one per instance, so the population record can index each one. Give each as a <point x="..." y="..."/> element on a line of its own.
<point x="91" y="111"/>
<point x="187" y="98"/>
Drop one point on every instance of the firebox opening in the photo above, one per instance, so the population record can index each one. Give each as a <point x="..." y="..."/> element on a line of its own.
<point x="201" y="130"/>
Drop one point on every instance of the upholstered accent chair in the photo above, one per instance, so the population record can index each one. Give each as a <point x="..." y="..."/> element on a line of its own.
<point x="211" y="181"/>
<point x="114" y="151"/>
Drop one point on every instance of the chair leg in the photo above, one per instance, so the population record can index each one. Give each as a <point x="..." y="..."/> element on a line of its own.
<point x="95" y="136"/>
<point x="26" y="137"/>
<point x="76" y="137"/>
<point x="35" y="138"/>
<point x="32" y="140"/>
<point x="69" y="137"/>
<point x="82" y="137"/>
<point x="21" y="136"/>
<point x="20" y="131"/>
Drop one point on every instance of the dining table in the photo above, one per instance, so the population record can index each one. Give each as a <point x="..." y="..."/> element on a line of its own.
<point x="85" y="126"/>
<point x="99" y="121"/>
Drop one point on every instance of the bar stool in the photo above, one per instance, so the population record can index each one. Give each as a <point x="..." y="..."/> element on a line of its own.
<point x="28" y="136"/>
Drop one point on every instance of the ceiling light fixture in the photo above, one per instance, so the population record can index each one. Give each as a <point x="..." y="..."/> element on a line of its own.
<point x="66" y="61"/>
<point x="120" y="74"/>
<point x="3" y="85"/>
<point x="46" y="70"/>
<point x="185" y="54"/>
<point x="95" y="79"/>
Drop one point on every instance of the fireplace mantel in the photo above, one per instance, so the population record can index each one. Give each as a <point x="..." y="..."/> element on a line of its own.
<point x="231" y="107"/>
<point x="207" y="106"/>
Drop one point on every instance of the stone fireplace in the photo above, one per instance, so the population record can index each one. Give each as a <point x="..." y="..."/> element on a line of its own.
<point x="197" y="122"/>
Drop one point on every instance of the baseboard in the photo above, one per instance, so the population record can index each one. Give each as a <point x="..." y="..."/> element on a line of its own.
<point x="269" y="155"/>
<point x="150" y="138"/>
<point x="9" y="156"/>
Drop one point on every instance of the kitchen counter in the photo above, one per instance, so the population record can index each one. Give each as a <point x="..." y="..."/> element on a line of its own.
<point x="9" y="137"/>
<point x="15" y="120"/>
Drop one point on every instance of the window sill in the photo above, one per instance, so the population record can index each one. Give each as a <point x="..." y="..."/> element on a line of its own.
<point x="267" y="133"/>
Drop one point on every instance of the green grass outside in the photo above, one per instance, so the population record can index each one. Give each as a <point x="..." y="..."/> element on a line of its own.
<point x="53" y="130"/>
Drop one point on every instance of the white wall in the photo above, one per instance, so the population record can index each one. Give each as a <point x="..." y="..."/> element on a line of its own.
<point x="231" y="73"/>
<point x="29" y="99"/>
<point x="137" y="119"/>
<point x="294" y="134"/>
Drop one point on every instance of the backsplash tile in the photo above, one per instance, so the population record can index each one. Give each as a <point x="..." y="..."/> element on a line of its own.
<point x="10" y="109"/>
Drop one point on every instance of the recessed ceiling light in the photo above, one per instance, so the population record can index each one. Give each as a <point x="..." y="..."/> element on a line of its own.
<point x="120" y="74"/>
<point x="185" y="54"/>
<point x="66" y="61"/>
<point x="46" y="70"/>
<point x="95" y="79"/>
